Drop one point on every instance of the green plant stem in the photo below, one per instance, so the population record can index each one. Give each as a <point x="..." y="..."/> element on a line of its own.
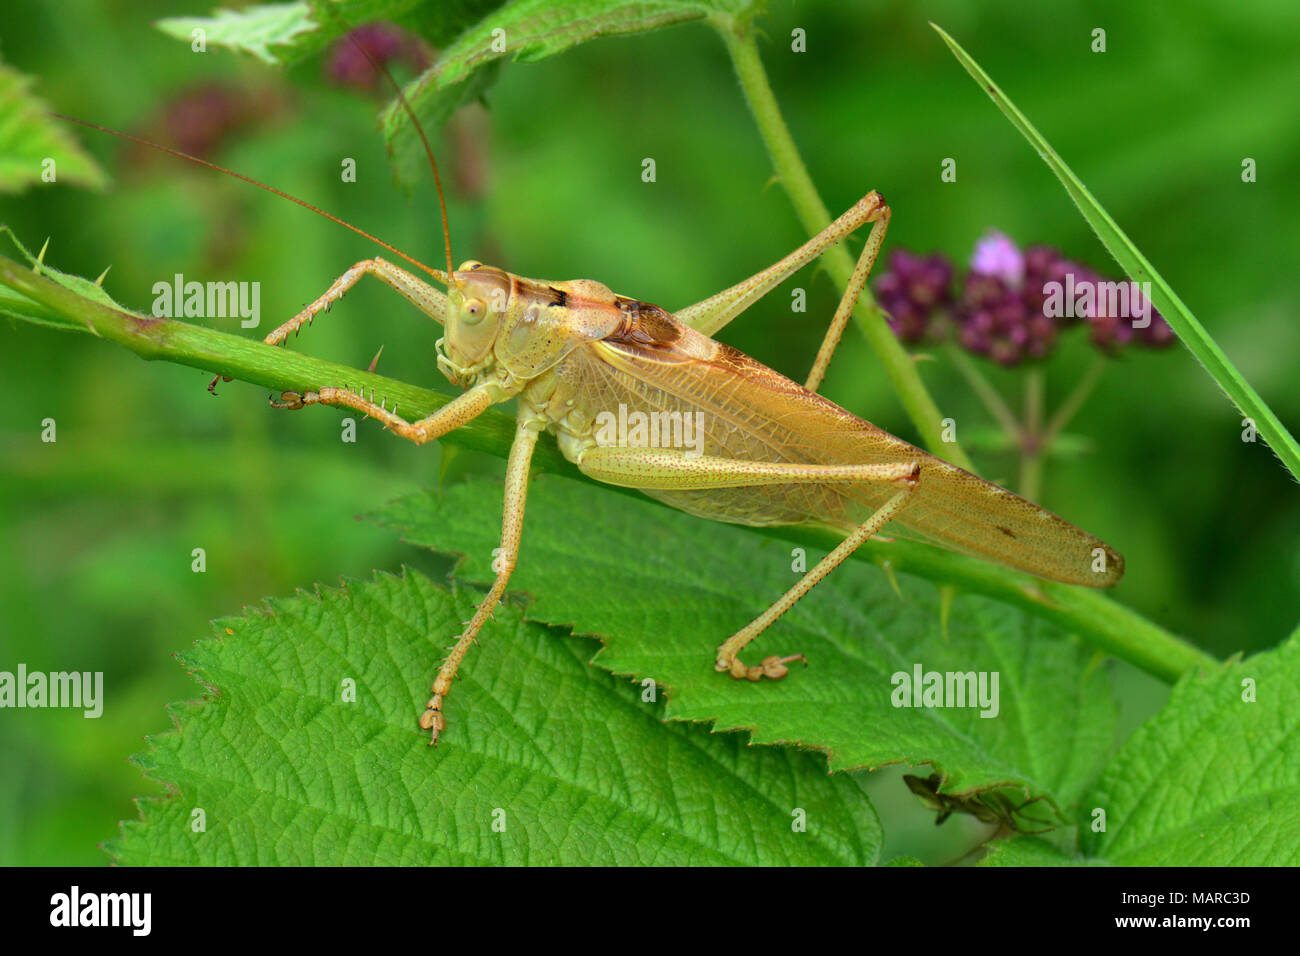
<point x="738" y="35"/>
<point x="1034" y="387"/>
<point x="1180" y="318"/>
<point x="985" y="392"/>
<point x="1031" y="446"/>
<point x="1108" y="625"/>
<point x="1038" y="439"/>
<point x="1070" y="407"/>
<point x="1030" y="484"/>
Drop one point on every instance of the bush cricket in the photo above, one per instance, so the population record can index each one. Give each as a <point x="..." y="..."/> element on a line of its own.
<point x="770" y="451"/>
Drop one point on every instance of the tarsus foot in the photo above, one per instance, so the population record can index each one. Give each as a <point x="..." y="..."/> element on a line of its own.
<point x="772" y="667"/>
<point x="433" y="720"/>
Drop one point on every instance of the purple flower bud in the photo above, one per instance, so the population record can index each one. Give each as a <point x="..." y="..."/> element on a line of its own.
<point x="1043" y="265"/>
<point x="997" y="255"/>
<point x="996" y="322"/>
<point x="386" y="43"/>
<point x="912" y="289"/>
<point x="204" y="117"/>
<point x="1158" y="334"/>
<point x="1110" y="329"/>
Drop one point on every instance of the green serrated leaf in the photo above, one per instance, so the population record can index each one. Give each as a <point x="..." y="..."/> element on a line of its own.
<point x="405" y="148"/>
<point x="30" y="140"/>
<point x="552" y="761"/>
<point x="1031" y="851"/>
<point x="1214" y="778"/>
<point x="284" y="33"/>
<point x="275" y="33"/>
<point x="663" y="589"/>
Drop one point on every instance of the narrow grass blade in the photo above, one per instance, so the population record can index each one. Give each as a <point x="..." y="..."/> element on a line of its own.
<point x="1179" y="317"/>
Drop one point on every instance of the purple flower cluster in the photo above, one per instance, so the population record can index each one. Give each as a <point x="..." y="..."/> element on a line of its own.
<point x="1014" y="302"/>
<point x="912" y="289"/>
<point x="201" y="119"/>
<point x="385" y="43"/>
<point x="995" y="320"/>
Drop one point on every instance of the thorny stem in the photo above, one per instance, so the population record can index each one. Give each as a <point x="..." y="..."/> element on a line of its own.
<point x="244" y="359"/>
<point x="738" y="35"/>
<point x="1108" y="625"/>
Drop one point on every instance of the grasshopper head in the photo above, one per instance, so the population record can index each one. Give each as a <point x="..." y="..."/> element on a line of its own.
<point x="519" y="327"/>
<point x="478" y="305"/>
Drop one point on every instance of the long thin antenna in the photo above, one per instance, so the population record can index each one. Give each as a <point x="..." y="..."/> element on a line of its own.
<point x="428" y="150"/>
<point x="436" y="273"/>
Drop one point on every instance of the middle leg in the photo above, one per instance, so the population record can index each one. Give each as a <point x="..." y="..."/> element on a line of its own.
<point x="512" y="529"/>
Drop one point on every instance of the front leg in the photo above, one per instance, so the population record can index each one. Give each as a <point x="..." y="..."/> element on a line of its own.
<point x="429" y="300"/>
<point x="461" y="410"/>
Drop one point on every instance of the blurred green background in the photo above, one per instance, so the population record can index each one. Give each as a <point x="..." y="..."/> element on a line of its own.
<point x="96" y="530"/>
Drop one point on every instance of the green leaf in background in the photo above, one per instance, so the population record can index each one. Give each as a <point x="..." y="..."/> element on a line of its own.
<point x="280" y="34"/>
<point x="29" y="138"/>
<point x="1117" y="243"/>
<point x="662" y="589"/>
<point x="526" y="30"/>
<point x="405" y="148"/>
<point x="1214" y="778"/>
<point x="275" y="33"/>
<point x="571" y="762"/>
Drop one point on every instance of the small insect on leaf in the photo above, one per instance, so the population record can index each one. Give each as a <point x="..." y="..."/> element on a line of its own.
<point x="992" y="806"/>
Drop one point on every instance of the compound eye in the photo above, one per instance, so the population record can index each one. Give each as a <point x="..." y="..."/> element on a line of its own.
<point x="469" y="265"/>
<point x="473" y="311"/>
